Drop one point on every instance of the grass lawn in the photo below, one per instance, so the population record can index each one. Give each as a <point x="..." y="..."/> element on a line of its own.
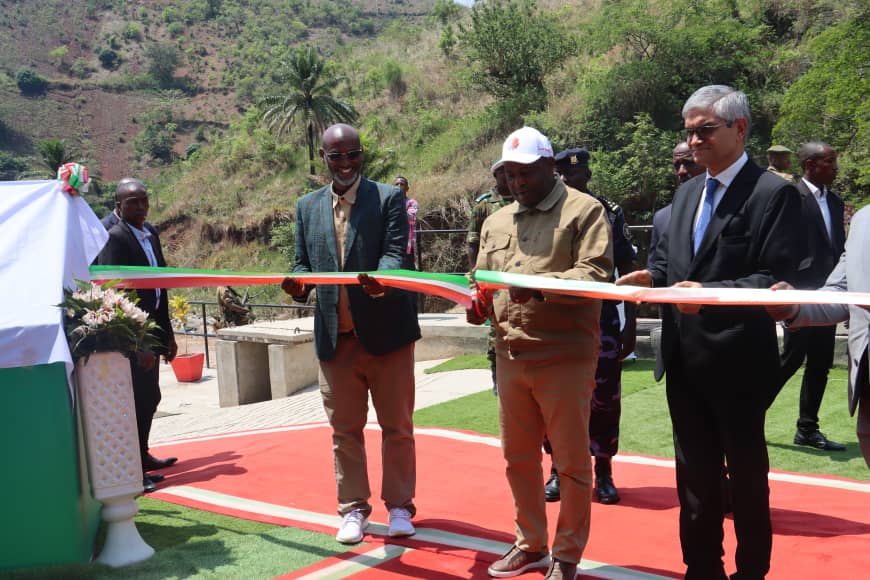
<point x="192" y="543"/>
<point x="645" y="425"/>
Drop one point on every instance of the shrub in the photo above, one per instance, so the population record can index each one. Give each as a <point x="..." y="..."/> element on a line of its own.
<point x="132" y="31"/>
<point x="81" y="68"/>
<point x="11" y="167"/>
<point x="109" y="59"/>
<point x="30" y="82"/>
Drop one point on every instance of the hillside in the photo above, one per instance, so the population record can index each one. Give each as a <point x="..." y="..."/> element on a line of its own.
<point x="168" y="90"/>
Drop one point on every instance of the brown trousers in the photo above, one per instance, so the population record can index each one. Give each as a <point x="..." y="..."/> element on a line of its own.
<point x="345" y="383"/>
<point x="551" y="397"/>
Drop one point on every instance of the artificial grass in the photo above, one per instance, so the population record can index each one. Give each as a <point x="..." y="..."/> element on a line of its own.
<point x="191" y="543"/>
<point x="645" y="424"/>
<point x="465" y="361"/>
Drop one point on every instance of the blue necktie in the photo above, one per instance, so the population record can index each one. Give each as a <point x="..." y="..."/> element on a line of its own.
<point x="706" y="213"/>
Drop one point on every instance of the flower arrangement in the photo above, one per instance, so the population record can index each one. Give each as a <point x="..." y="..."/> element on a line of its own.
<point x="101" y="319"/>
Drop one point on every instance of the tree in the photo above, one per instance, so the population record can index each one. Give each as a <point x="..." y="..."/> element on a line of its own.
<point x="636" y="173"/>
<point x="30" y="82"/>
<point x="163" y="59"/>
<point x="309" y="97"/>
<point x="11" y="167"/>
<point x="511" y="47"/>
<point x="53" y="153"/>
<point x="831" y="102"/>
<point x="379" y="163"/>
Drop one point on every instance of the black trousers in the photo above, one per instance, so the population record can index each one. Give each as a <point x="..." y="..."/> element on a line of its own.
<point x="711" y="426"/>
<point x="816" y="345"/>
<point x="146" y="397"/>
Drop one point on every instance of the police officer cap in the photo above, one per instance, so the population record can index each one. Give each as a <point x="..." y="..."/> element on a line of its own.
<point x="575" y="156"/>
<point x="778" y="149"/>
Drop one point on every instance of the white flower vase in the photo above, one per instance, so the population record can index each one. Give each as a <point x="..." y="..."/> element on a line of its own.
<point x="112" y="442"/>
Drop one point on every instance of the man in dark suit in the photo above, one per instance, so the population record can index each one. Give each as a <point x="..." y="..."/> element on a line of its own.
<point x="824" y="236"/>
<point x="364" y="334"/>
<point x="685" y="169"/>
<point x="851" y="274"/>
<point x="134" y="242"/>
<point x="735" y="227"/>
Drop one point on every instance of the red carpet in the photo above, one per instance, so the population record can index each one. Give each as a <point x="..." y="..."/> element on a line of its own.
<point x="820" y="529"/>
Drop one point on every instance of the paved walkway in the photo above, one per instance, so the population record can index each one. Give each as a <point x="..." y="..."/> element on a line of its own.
<point x="192" y="410"/>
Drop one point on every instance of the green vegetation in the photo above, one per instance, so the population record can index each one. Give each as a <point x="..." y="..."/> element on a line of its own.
<point x="645" y="425"/>
<point x="466" y="361"/>
<point x="191" y="543"/>
<point x="511" y="47"/>
<point x="30" y="82"/>
<point x="53" y="153"/>
<point x="310" y="85"/>
<point x="435" y="87"/>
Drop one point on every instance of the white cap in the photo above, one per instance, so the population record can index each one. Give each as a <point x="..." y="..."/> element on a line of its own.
<point x="525" y="146"/>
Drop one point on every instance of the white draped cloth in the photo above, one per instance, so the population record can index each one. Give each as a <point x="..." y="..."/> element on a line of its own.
<point x="47" y="240"/>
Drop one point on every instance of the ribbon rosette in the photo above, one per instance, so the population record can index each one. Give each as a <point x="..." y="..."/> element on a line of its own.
<point x="74" y="177"/>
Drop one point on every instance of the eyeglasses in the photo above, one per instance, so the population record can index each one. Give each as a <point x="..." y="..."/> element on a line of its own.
<point x="704" y="131"/>
<point x="350" y="155"/>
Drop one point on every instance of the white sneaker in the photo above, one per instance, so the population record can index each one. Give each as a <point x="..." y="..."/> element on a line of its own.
<point x="400" y="523"/>
<point x="352" y="527"/>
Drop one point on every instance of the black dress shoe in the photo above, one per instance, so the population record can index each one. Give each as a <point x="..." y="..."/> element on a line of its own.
<point x="156" y="477"/>
<point x="148" y="485"/>
<point x="818" y="440"/>
<point x="150" y="463"/>
<point x="551" y="490"/>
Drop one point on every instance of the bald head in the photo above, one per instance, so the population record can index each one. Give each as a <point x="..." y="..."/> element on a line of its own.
<point x="131" y="201"/>
<point x="127" y="186"/>
<point x="339" y="131"/>
<point x="342" y="152"/>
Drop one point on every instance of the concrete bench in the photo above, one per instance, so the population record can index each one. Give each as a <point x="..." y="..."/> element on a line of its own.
<point x="269" y="360"/>
<point x="257" y="363"/>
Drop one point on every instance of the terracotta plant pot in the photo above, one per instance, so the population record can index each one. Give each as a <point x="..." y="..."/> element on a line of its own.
<point x="188" y="367"/>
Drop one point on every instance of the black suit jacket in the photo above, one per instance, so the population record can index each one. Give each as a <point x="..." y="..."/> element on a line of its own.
<point x="123" y="249"/>
<point x="377" y="235"/>
<point x="751" y="242"/>
<point x="820" y="253"/>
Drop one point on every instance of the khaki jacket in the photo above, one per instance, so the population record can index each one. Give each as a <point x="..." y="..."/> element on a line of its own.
<point x="567" y="235"/>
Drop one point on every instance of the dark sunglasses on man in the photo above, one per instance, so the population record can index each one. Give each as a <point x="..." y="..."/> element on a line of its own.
<point x="350" y="155"/>
<point x="704" y="131"/>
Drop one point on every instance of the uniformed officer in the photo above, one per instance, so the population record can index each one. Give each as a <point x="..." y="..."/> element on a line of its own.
<point x="573" y="167"/>
<point x="547" y="348"/>
<point x="779" y="162"/>
<point x="485" y="205"/>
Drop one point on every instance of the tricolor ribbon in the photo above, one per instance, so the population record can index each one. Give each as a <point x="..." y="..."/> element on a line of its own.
<point x="449" y="286"/>
<point x="710" y="296"/>
<point x="456" y="288"/>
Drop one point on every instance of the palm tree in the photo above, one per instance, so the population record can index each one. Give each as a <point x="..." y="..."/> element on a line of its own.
<point x="53" y="153"/>
<point x="309" y="96"/>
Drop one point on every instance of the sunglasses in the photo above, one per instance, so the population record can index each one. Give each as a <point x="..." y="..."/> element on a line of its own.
<point x="350" y="155"/>
<point x="704" y="131"/>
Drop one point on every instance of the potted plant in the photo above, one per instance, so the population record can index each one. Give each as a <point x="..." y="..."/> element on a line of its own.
<point x="187" y="366"/>
<point x="104" y="328"/>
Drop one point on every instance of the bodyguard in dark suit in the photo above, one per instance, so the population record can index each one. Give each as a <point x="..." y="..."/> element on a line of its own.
<point x="364" y="334"/>
<point x="825" y="237"/>
<point x="851" y="274"/>
<point x="134" y="242"/>
<point x="734" y="227"/>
